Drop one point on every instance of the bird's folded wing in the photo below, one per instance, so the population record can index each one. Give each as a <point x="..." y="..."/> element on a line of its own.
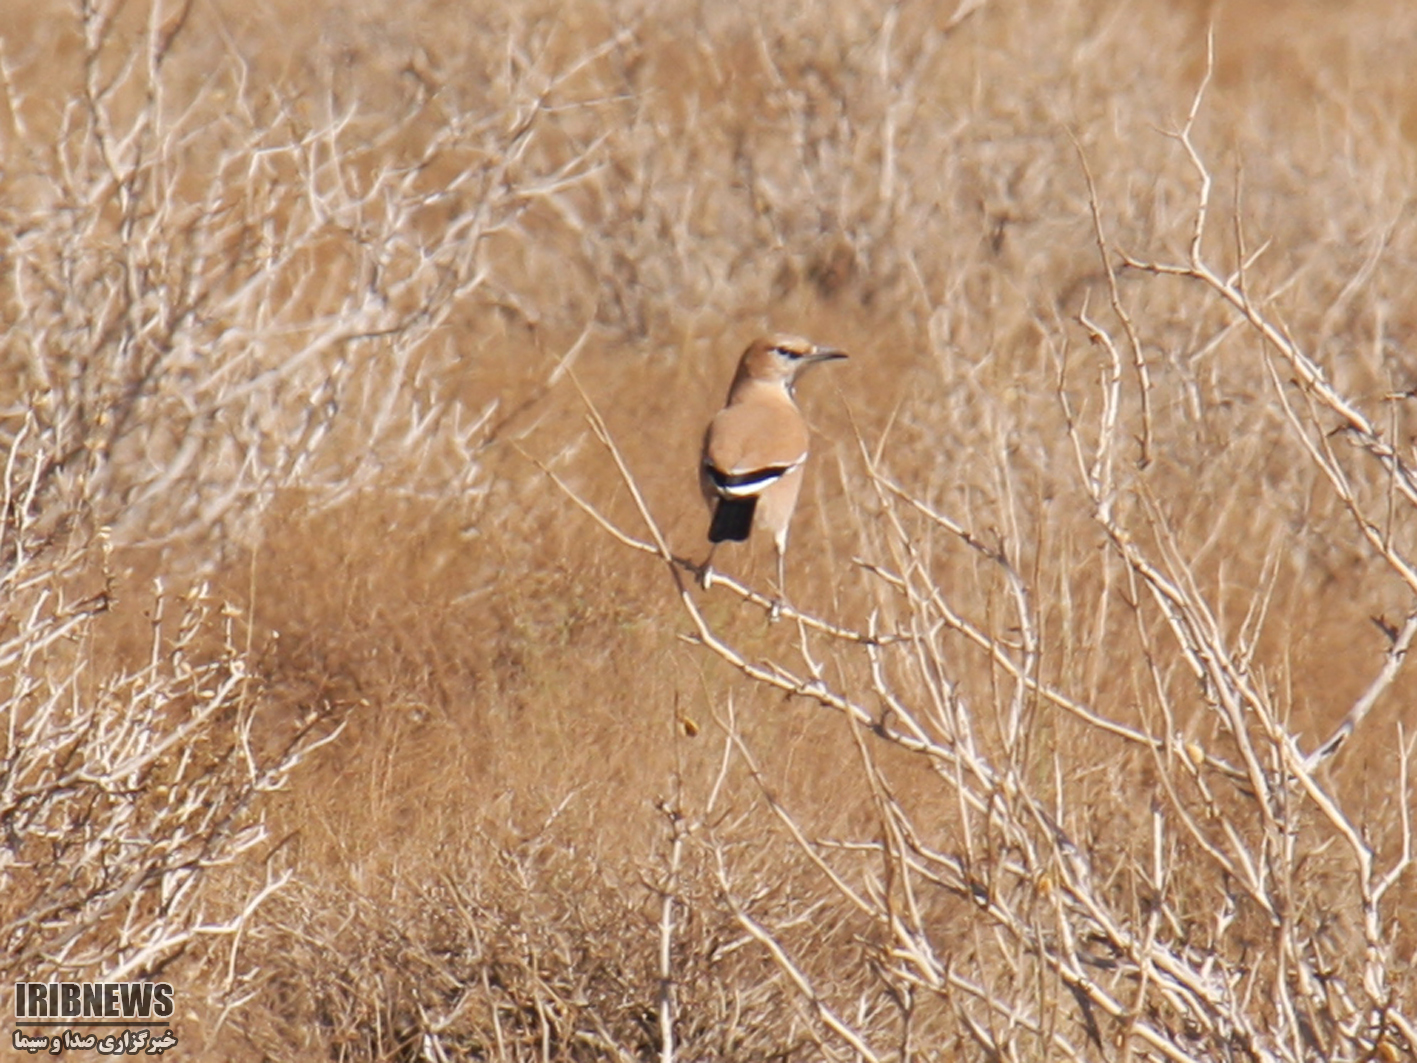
<point x="750" y="446"/>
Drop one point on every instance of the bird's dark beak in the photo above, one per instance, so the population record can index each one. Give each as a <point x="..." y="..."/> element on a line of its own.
<point x="825" y="354"/>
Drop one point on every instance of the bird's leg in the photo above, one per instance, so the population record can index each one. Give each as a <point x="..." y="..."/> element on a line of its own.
<point x="776" y="613"/>
<point x="705" y="571"/>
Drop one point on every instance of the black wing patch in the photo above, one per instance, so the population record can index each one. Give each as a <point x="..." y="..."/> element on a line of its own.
<point x="745" y="484"/>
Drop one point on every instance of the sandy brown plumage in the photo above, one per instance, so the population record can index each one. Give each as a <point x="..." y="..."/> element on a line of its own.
<point x="755" y="447"/>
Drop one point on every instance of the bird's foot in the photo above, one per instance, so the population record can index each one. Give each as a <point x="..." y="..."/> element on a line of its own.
<point x="775" y="613"/>
<point x="704" y="575"/>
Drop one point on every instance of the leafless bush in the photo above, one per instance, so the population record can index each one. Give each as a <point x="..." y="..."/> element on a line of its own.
<point x="523" y="956"/>
<point x="222" y="294"/>
<point x="213" y="295"/>
<point x="1213" y="898"/>
<point x="123" y="785"/>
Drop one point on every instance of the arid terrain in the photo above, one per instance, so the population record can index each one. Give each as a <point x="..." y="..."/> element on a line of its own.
<point x="354" y="676"/>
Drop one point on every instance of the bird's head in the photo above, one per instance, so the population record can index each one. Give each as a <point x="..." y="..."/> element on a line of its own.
<point x="780" y="358"/>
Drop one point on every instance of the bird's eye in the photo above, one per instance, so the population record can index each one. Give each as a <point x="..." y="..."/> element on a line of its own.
<point x="788" y="352"/>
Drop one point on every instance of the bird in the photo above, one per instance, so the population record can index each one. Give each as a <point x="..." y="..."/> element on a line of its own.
<point x="755" y="447"/>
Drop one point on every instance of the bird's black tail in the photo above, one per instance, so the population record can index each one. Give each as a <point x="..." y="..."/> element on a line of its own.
<point x="733" y="519"/>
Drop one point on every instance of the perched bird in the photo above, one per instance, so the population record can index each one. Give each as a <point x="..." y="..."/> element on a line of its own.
<point x="756" y="445"/>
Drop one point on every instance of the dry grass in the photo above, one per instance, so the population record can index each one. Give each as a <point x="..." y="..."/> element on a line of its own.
<point x="308" y="315"/>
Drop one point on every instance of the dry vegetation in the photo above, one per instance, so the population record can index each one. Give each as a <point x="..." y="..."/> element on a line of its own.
<point x="354" y="366"/>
